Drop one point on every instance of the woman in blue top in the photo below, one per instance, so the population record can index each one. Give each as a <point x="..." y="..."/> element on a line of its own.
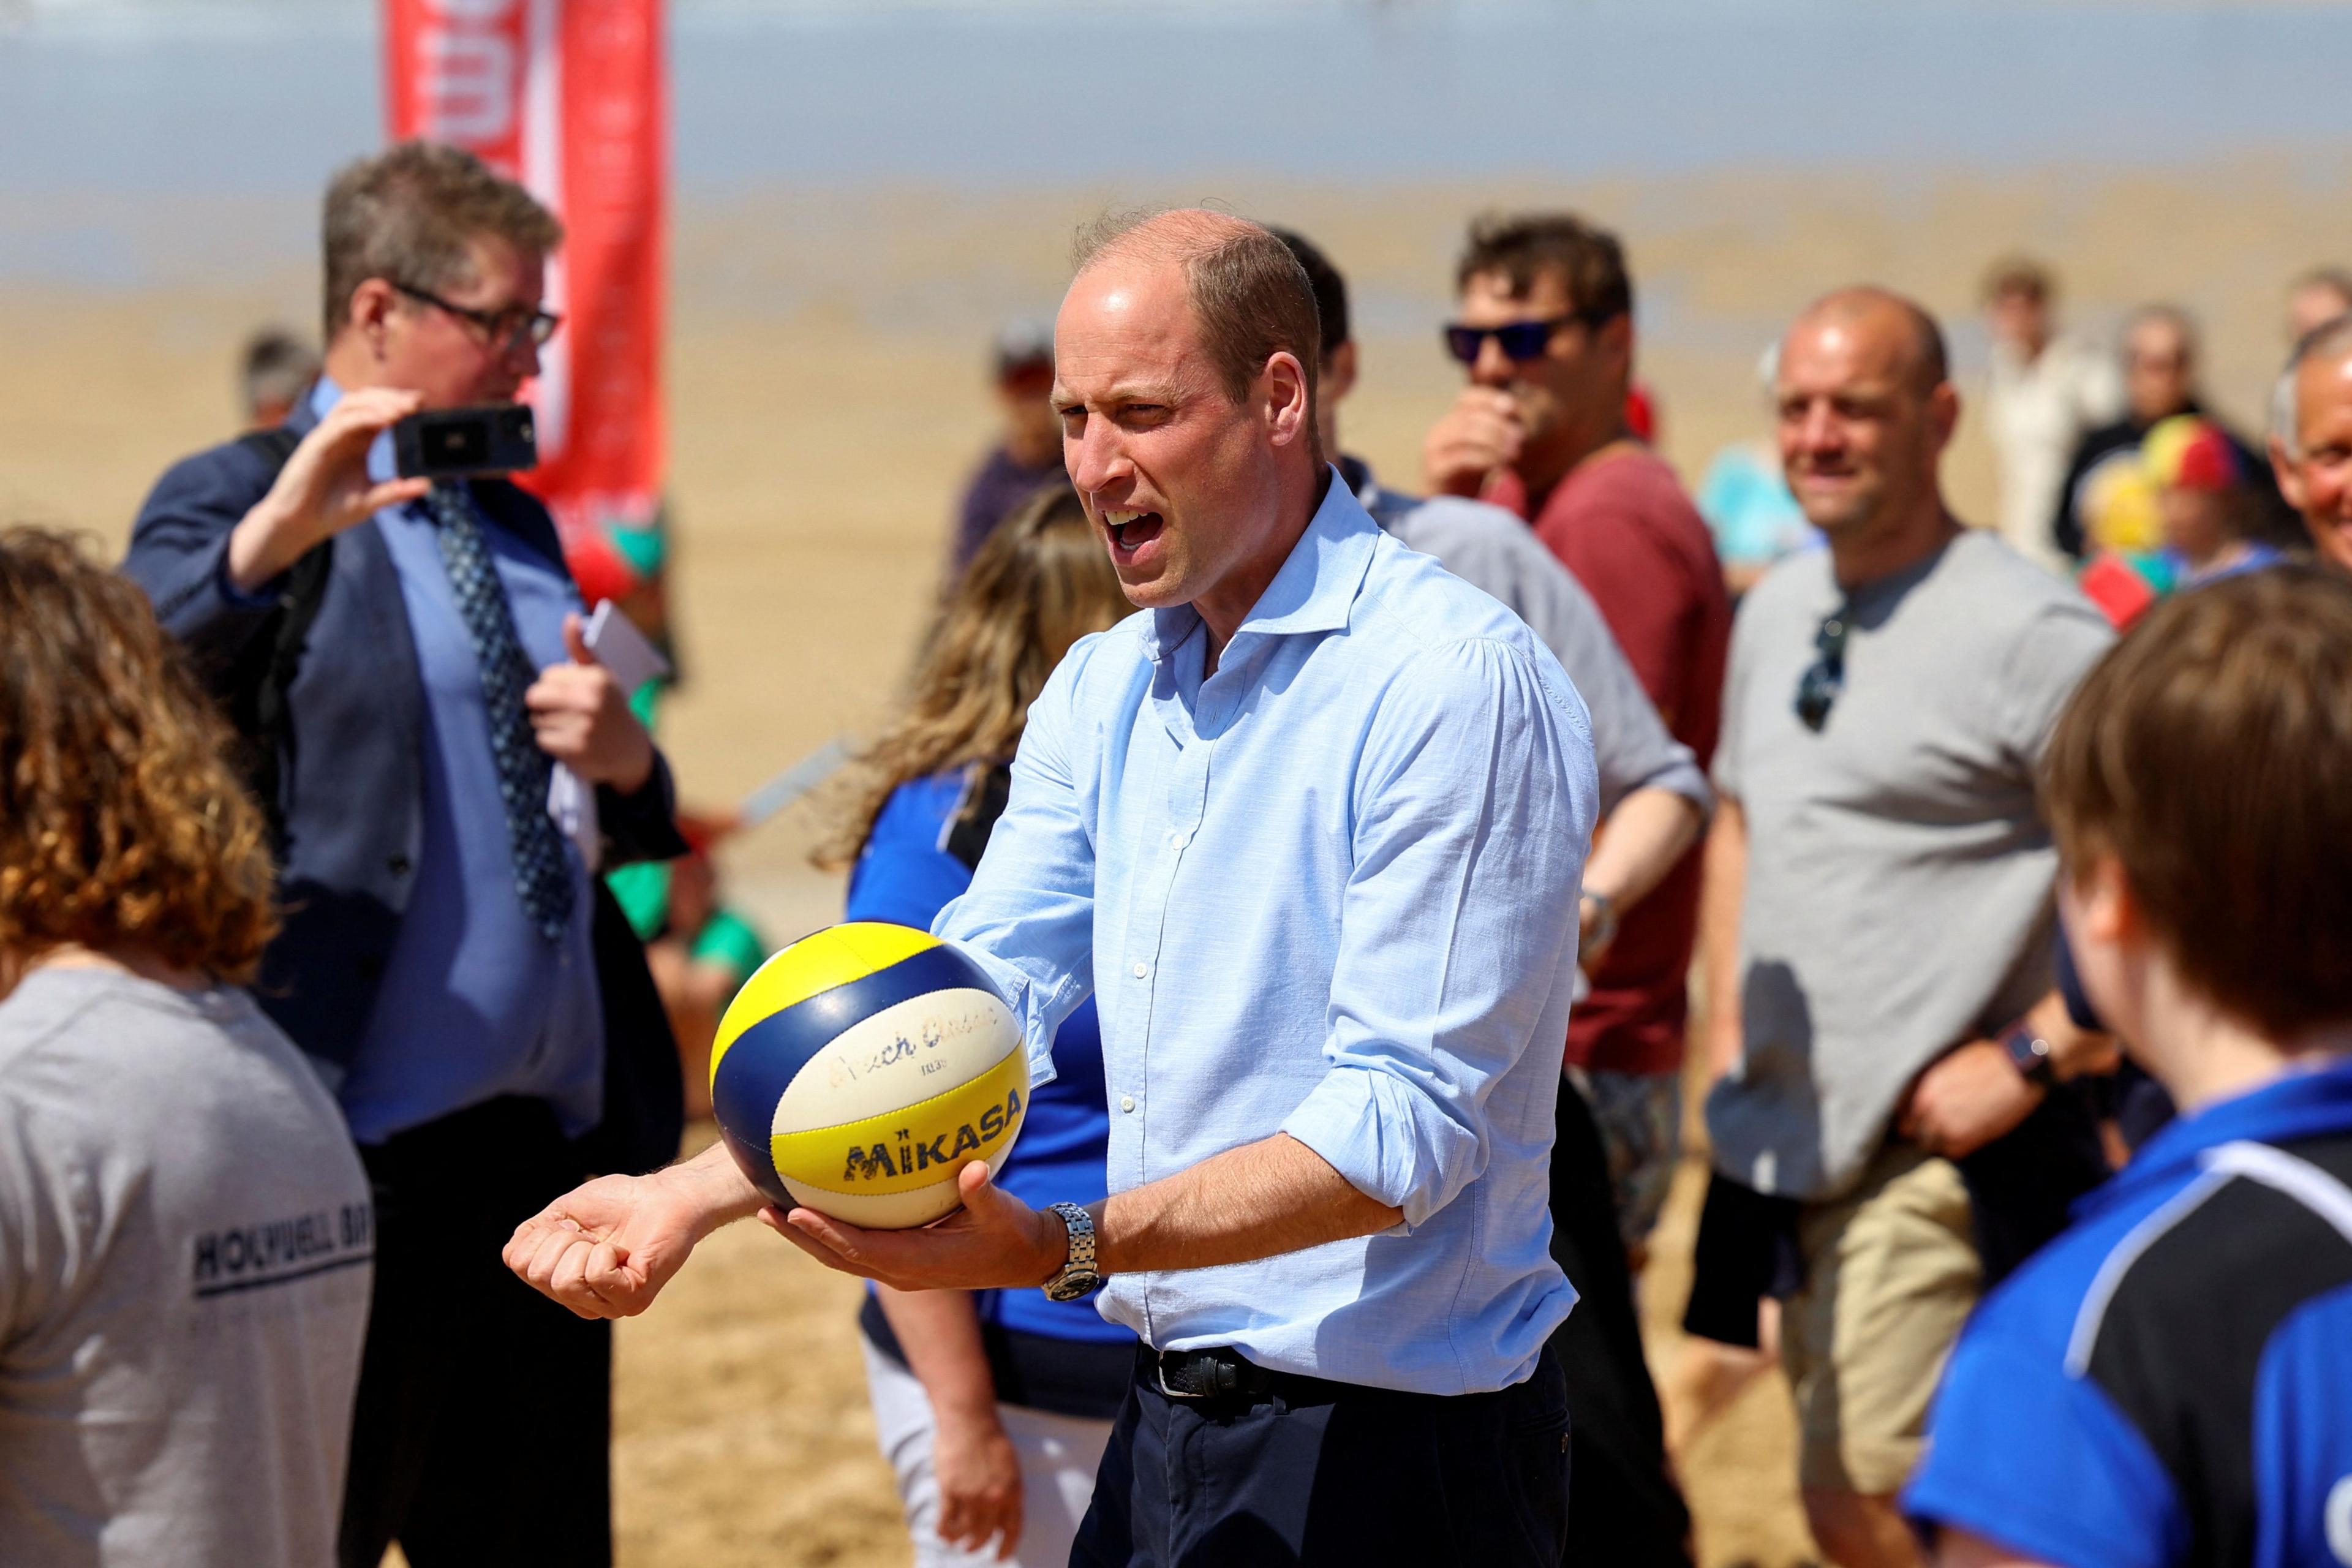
<point x="994" y="1406"/>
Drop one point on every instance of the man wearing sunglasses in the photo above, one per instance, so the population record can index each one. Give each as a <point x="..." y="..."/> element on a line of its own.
<point x="1544" y="330"/>
<point x="447" y="955"/>
<point x="1879" y="898"/>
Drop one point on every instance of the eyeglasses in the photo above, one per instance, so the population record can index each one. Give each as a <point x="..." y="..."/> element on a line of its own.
<point x="1519" y="340"/>
<point x="503" y="328"/>
<point x="1817" y="687"/>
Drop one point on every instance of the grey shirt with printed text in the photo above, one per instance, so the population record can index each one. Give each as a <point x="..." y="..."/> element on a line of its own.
<point x="1899" y="873"/>
<point x="186" y="1246"/>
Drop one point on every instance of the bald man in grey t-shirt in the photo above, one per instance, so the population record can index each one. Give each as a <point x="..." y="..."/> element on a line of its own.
<point x="1877" y="912"/>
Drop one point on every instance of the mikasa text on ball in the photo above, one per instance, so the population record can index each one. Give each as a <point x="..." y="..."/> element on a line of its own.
<point x="861" y="1068"/>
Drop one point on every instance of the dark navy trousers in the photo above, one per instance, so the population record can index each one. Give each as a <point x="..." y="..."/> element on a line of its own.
<point x="1333" y="1474"/>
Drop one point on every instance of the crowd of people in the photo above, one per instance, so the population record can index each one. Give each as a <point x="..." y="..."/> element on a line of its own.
<point x="1350" y="898"/>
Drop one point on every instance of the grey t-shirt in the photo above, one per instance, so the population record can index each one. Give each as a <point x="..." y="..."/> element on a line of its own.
<point x="186" y="1246"/>
<point x="1493" y="551"/>
<point x="1899" y="874"/>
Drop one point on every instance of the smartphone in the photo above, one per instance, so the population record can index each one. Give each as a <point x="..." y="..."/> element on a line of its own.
<point x="466" y="443"/>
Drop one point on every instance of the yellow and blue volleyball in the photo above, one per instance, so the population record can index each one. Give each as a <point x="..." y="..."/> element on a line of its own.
<point x="861" y="1068"/>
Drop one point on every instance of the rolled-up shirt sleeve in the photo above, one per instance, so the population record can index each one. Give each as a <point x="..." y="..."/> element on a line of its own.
<point x="1028" y="919"/>
<point x="1473" y="804"/>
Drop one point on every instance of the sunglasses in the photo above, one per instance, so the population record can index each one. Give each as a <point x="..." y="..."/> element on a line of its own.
<point x="503" y="328"/>
<point x="1519" y="340"/>
<point x="1817" y="687"/>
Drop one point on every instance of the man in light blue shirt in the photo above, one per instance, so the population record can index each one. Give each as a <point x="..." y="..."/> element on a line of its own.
<point x="1310" y="830"/>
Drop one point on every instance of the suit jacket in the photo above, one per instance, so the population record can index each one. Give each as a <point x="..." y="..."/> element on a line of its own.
<point x="351" y="781"/>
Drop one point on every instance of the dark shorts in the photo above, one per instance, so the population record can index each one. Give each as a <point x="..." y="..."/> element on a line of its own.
<point x="1315" y="1473"/>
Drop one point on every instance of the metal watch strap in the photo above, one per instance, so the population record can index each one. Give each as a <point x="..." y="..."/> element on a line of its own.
<point x="2030" y="1053"/>
<point x="1078" y="1269"/>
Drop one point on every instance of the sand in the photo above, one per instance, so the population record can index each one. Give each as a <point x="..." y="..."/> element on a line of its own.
<point x="828" y="398"/>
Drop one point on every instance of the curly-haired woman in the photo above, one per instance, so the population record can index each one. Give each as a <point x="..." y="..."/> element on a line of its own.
<point x="185" y="1234"/>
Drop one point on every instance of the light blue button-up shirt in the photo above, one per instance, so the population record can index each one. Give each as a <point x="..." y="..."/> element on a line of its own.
<point x="474" y="1002"/>
<point x="1328" y="890"/>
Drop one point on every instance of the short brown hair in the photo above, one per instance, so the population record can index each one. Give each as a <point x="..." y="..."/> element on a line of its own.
<point x="1253" y="298"/>
<point x="411" y="215"/>
<point x="2019" y="275"/>
<point x="123" y="823"/>
<point x="1522" y="247"/>
<point x="2210" y="754"/>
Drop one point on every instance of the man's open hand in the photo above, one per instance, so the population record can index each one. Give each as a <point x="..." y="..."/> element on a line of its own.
<point x="580" y="717"/>
<point x="607" y="1249"/>
<point x="995" y="1242"/>
<point x="324" y="488"/>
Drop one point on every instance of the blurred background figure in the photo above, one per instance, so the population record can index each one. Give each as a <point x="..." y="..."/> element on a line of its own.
<point x="1028" y="453"/>
<point x="185" y="1234"/>
<point x="2047" y="392"/>
<point x="2105" y="501"/>
<point x="446" y="947"/>
<point x="2197" y="504"/>
<point x="2316" y="299"/>
<point x="2311" y="439"/>
<point x="2203" y="500"/>
<point x="993" y="1406"/>
<point x="1747" y="503"/>
<point x="274" y="373"/>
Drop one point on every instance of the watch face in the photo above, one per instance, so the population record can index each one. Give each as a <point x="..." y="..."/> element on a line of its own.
<point x="1072" y="1286"/>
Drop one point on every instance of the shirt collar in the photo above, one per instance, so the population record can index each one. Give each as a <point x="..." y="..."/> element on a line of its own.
<point x="1314" y="592"/>
<point x="2301" y="1103"/>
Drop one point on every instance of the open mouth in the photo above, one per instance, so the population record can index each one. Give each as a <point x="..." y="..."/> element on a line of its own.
<point x="1131" y="532"/>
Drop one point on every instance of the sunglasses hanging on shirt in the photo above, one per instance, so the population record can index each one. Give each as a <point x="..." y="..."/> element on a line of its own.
<point x="1817" y="687"/>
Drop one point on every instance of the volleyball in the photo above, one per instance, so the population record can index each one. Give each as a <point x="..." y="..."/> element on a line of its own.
<point x="861" y="1068"/>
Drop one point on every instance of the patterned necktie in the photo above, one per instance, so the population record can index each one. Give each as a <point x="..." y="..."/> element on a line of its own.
<point x="542" y="875"/>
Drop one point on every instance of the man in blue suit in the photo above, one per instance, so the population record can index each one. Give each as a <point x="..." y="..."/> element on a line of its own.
<point x="440" y="954"/>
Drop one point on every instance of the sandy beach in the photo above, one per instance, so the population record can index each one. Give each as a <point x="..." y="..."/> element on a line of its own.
<point x="827" y="400"/>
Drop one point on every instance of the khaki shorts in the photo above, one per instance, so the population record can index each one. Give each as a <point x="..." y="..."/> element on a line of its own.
<point x="1891" y="1273"/>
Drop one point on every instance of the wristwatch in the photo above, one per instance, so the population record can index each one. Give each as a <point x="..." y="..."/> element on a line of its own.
<point x="1077" y="1278"/>
<point x="2028" y="1053"/>
<point x="1605" y="926"/>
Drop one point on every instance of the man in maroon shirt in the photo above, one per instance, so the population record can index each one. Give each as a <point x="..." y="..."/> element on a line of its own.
<point x="1546" y="332"/>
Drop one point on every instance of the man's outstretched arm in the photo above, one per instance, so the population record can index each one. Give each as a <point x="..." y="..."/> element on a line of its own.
<point x="607" y="1249"/>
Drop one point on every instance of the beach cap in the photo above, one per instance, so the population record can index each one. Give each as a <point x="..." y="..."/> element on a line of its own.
<point x="1023" y="343"/>
<point x="2187" y="453"/>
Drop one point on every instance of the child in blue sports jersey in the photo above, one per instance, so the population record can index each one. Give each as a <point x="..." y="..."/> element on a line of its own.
<point x="2170" y="1381"/>
<point x="993" y="1406"/>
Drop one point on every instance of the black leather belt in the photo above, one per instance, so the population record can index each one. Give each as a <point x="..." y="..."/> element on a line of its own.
<point x="1227" y="1376"/>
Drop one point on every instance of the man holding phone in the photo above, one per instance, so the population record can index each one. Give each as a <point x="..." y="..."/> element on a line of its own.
<point x="445" y="951"/>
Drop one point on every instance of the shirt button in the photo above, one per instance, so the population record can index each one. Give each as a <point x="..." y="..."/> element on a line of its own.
<point x="1126" y="1102"/>
<point x="1178" y="840"/>
<point x="1141" y="970"/>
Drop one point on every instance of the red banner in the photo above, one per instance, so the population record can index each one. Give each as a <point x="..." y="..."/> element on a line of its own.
<point x="569" y="96"/>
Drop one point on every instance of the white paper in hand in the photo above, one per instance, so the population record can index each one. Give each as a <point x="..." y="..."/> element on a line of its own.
<point x="632" y="661"/>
